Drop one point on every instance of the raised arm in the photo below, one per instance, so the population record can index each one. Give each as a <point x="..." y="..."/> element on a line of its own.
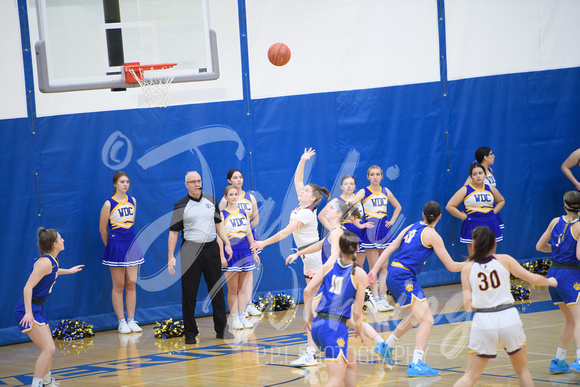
<point x="568" y="164"/>
<point x="434" y="239"/>
<point x="455" y="201"/>
<point x="299" y="174"/>
<point x="543" y="244"/>
<point x="498" y="199"/>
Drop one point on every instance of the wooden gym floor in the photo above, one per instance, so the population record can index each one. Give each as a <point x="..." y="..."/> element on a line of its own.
<point x="261" y="357"/>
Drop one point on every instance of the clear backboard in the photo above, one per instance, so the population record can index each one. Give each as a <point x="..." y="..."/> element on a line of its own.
<point x="85" y="43"/>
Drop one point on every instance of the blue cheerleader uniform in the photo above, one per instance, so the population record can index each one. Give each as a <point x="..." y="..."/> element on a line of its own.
<point x="329" y="330"/>
<point x="375" y="209"/>
<point x="479" y="208"/>
<point x="406" y="266"/>
<point x="490" y="180"/>
<point x="122" y="250"/>
<point x="245" y="203"/>
<point x="39" y="294"/>
<point x="236" y="225"/>
<point x="565" y="266"/>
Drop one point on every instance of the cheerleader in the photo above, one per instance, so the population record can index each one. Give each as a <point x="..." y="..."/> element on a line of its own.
<point x="248" y="203"/>
<point x="374" y="199"/>
<point x="29" y="311"/>
<point x="415" y="244"/>
<point x="480" y="210"/>
<point x="485" y="157"/>
<point x="343" y="285"/>
<point x="304" y="228"/>
<point x="487" y="291"/>
<point x="568" y="164"/>
<point x="122" y="254"/>
<point x="242" y="261"/>
<point x="561" y="239"/>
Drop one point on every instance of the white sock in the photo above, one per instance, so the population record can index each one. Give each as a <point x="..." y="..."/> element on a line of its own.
<point x="561" y="353"/>
<point x="36" y="382"/>
<point x="378" y="339"/>
<point x="578" y="354"/>
<point x="130" y="319"/>
<point x="383" y="297"/>
<point x="417" y="355"/>
<point x="249" y="303"/>
<point x="122" y="320"/>
<point x="311" y="350"/>
<point x="47" y="378"/>
<point x="377" y="299"/>
<point x="392" y="340"/>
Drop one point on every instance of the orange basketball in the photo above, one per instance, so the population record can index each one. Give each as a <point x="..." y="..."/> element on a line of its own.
<point x="279" y="54"/>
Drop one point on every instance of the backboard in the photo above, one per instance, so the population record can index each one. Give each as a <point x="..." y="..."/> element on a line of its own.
<point x="84" y="44"/>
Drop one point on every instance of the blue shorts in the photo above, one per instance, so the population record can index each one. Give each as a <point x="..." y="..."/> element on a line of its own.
<point x="403" y="286"/>
<point x="378" y="237"/>
<point x="123" y="253"/>
<point x="37" y="314"/>
<point x="331" y="337"/>
<point x="241" y="260"/>
<point x="564" y="293"/>
<point x="477" y="219"/>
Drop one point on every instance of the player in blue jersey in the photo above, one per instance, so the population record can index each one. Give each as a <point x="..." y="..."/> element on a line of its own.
<point x="351" y="223"/>
<point x="343" y="284"/>
<point x="29" y="311"/>
<point x="303" y="226"/>
<point x="485" y="280"/>
<point x="480" y="210"/>
<point x="122" y="253"/>
<point x="242" y="260"/>
<point x="570" y="162"/>
<point x="485" y="157"/>
<point x="248" y="203"/>
<point x="561" y="239"/>
<point x="334" y="214"/>
<point x="374" y="199"/>
<point x="415" y="244"/>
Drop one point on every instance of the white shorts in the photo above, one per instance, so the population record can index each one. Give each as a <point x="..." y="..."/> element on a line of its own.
<point x="488" y="330"/>
<point x="311" y="262"/>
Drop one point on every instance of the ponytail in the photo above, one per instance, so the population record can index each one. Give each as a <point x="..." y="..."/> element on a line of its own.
<point x="483" y="243"/>
<point x="46" y="239"/>
<point x="432" y="210"/>
<point x="317" y="193"/>
<point x="348" y="244"/>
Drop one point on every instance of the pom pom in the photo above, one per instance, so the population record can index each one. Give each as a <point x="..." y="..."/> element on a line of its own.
<point x="167" y="329"/>
<point x="274" y="302"/>
<point x="72" y="330"/>
<point x="520" y="293"/>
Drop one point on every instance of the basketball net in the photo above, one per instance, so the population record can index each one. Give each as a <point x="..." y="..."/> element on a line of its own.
<point x="154" y="84"/>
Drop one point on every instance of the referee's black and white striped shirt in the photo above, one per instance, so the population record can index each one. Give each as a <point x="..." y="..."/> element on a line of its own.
<point x="196" y="218"/>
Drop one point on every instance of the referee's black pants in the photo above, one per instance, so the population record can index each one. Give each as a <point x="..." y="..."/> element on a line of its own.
<point x="198" y="259"/>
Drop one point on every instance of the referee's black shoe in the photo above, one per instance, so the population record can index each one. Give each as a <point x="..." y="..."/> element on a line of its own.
<point x="225" y="335"/>
<point x="191" y="339"/>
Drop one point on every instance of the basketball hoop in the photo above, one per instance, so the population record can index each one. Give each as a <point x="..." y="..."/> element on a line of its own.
<point x="154" y="84"/>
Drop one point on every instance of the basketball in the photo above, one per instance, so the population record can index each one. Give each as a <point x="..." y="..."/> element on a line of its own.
<point x="279" y="54"/>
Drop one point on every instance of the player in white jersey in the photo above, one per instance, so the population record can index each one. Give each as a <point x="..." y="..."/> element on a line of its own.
<point x="570" y="162"/>
<point x="486" y="290"/>
<point x="122" y="253"/>
<point x="246" y="202"/>
<point x="304" y="227"/>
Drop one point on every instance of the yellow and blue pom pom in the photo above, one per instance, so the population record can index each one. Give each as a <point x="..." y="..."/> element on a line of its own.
<point x="72" y="330"/>
<point x="167" y="329"/>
